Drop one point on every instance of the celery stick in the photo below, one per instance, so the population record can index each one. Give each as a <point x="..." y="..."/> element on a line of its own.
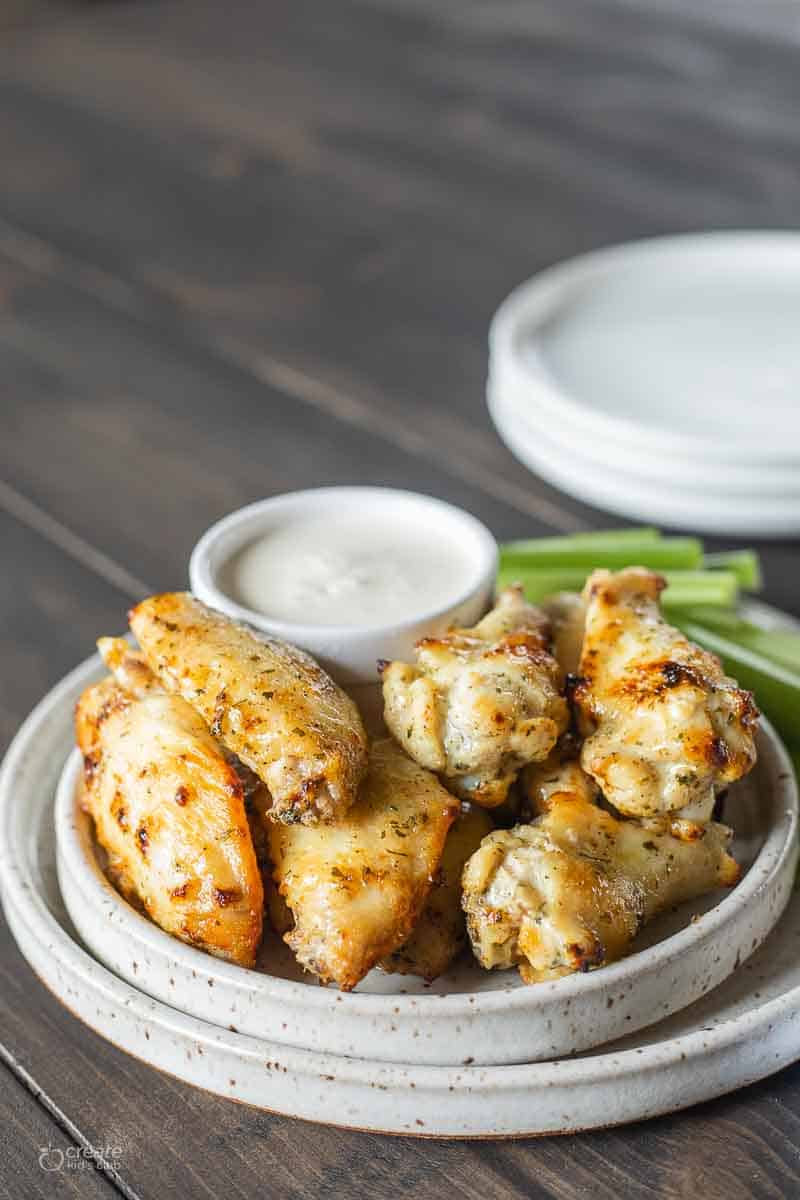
<point x="779" y="645"/>
<point x="776" y="688"/>
<point x="744" y="564"/>
<point x="685" y="588"/>
<point x="541" y="583"/>
<point x="669" y="554"/>
<point x="590" y="539"/>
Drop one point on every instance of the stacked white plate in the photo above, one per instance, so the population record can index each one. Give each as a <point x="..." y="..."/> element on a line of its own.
<point x="661" y="380"/>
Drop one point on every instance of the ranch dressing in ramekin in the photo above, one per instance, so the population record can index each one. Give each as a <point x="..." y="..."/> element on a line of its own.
<point x="351" y="571"/>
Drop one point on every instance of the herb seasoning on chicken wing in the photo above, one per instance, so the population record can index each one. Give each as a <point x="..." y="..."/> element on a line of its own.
<point x="169" y="811"/>
<point x="269" y="703"/>
<point x="667" y="729"/>
<point x="480" y="703"/>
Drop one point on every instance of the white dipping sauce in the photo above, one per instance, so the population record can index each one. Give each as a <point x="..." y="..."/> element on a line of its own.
<point x="349" y="570"/>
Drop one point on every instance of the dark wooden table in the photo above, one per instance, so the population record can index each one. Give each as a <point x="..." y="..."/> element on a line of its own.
<point x="255" y="246"/>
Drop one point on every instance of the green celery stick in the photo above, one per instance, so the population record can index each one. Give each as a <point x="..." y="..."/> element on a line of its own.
<point x="685" y="588"/>
<point x="589" y="539"/>
<point x="745" y="565"/>
<point x="776" y="688"/>
<point x="779" y="645"/>
<point x="668" y="554"/>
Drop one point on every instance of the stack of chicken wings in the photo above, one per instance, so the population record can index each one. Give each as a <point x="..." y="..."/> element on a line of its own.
<point x="548" y="785"/>
<point x="616" y="788"/>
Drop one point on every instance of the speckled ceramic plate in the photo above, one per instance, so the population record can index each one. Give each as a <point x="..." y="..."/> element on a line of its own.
<point x="468" y="1014"/>
<point x="741" y="1031"/>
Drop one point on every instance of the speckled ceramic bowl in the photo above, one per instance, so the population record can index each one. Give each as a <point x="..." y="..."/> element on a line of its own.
<point x="468" y="1015"/>
<point x="742" y="1031"/>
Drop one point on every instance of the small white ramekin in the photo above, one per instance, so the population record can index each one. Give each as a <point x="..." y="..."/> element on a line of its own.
<point x="350" y="654"/>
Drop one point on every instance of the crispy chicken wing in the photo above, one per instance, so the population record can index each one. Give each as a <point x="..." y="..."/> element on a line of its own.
<point x="169" y="811"/>
<point x="356" y="888"/>
<point x="480" y="702"/>
<point x="667" y="728"/>
<point x="269" y="703"/>
<point x="570" y="891"/>
<point x="440" y="934"/>
<point x="128" y="666"/>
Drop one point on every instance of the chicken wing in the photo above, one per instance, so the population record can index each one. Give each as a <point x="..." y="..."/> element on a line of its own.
<point x="128" y="666"/>
<point x="480" y="702"/>
<point x="440" y="934"/>
<point x="270" y="704"/>
<point x="570" y="891"/>
<point x="560" y="777"/>
<point x="356" y="888"/>
<point x="566" y="613"/>
<point x="667" y="728"/>
<point x="169" y="811"/>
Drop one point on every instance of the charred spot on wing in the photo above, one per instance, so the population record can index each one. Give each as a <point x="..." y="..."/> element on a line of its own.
<point x="574" y="685"/>
<point x="119" y="810"/>
<point x="91" y="763"/>
<point x="748" y="709"/>
<point x="584" y="957"/>
<point x="719" y="752"/>
<point x="382" y="664"/>
<point x="675" y="673"/>
<point x="142" y="839"/>
<point x="182" y="795"/>
<point x="225" y="896"/>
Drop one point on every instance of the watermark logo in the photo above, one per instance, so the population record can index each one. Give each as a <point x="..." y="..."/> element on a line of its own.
<point x="51" y="1158"/>
<point x="77" y="1158"/>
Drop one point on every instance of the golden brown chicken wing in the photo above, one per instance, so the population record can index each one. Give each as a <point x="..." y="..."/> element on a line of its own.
<point x="269" y="703"/>
<point x="667" y="728"/>
<point x="566" y="613"/>
<point x="570" y="891"/>
<point x="440" y="934"/>
<point x="560" y="777"/>
<point x="169" y="811"/>
<point x="356" y="888"/>
<point x="480" y="702"/>
<point x="128" y="666"/>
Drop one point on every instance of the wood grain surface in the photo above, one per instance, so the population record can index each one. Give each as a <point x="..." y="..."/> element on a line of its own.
<point x="251" y="247"/>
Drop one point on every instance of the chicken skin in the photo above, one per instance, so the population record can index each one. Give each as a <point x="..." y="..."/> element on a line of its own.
<point x="269" y="703"/>
<point x="169" y="811"/>
<point x="480" y="703"/>
<point x="355" y="889"/>
<point x="666" y="728"/>
<point x="128" y="666"/>
<point x="440" y="934"/>
<point x="570" y="891"/>
<point x="566" y="612"/>
<point x="560" y="777"/>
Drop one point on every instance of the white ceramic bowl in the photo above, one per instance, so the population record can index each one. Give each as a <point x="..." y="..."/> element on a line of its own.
<point x="467" y="1015"/>
<point x="350" y="653"/>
